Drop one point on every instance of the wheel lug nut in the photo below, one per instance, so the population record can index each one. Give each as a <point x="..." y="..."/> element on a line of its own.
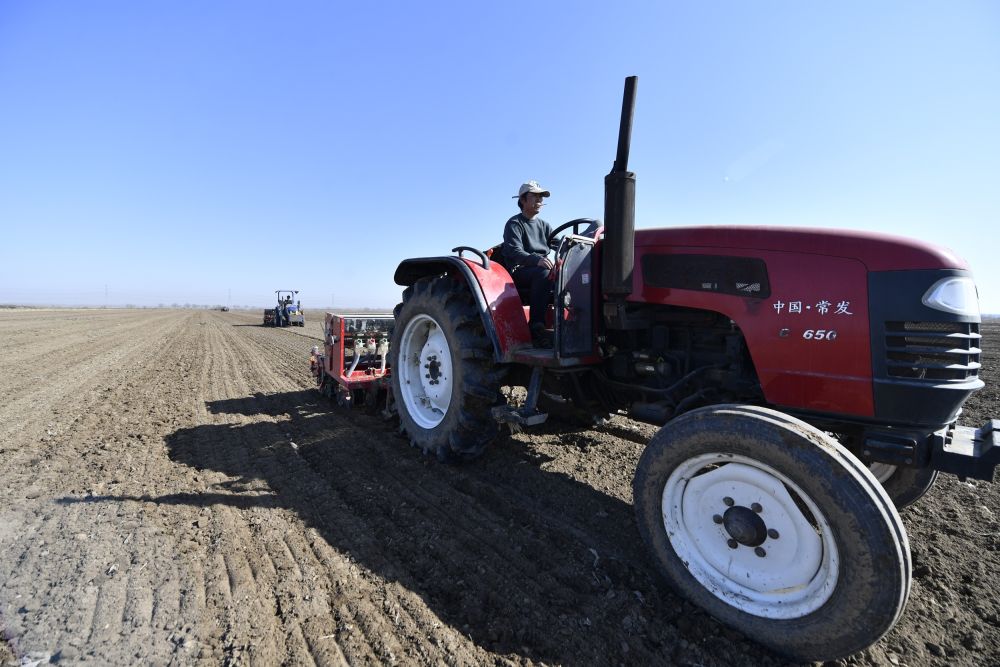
<point x="732" y="543"/>
<point x="772" y="533"/>
<point x="760" y="552"/>
<point x="757" y="508"/>
<point x="728" y="501"/>
<point x="717" y="519"/>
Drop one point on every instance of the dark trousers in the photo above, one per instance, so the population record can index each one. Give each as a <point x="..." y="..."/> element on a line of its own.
<point x="535" y="278"/>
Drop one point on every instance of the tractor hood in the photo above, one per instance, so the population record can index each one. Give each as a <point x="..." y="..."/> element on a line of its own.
<point x="879" y="252"/>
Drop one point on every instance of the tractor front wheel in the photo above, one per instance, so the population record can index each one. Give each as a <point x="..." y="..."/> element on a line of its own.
<point x="775" y="529"/>
<point x="444" y="379"/>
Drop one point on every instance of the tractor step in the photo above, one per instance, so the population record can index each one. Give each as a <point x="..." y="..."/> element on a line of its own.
<point x="518" y="417"/>
<point x="527" y="414"/>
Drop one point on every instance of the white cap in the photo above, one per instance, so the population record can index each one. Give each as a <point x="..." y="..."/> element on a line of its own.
<point x="531" y="186"/>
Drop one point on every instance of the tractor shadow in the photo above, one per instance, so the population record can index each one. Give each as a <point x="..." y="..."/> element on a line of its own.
<point x="521" y="561"/>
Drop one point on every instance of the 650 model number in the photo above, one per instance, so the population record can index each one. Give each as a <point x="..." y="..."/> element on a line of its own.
<point x="819" y="334"/>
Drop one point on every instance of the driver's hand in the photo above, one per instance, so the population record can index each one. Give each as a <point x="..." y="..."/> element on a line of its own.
<point x="544" y="263"/>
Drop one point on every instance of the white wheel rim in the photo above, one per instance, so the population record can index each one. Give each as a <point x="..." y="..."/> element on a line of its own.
<point x="798" y="570"/>
<point x="424" y="370"/>
<point x="882" y="471"/>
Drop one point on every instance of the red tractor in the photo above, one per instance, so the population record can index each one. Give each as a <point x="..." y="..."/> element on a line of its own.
<point x="807" y="384"/>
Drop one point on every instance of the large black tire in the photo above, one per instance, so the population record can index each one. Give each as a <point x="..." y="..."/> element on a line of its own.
<point x="775" y="529"/>
<point x="444" y="378"/>
<point x="904" y="485"/>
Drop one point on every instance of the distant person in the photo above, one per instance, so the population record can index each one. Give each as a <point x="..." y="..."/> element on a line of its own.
<point x="526" y="252"/>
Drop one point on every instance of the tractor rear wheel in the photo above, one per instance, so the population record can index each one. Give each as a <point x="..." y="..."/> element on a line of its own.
<point x="775" y="529"/>
<point x="444" y="379"/>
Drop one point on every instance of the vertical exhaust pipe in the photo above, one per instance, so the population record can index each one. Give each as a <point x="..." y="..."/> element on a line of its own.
<point x="618" y="257"/>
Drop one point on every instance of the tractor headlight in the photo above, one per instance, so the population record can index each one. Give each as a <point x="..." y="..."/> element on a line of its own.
<point x="953" y="295"/>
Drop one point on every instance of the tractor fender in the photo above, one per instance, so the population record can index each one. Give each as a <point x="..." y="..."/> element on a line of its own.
<point x="492" y="289"/>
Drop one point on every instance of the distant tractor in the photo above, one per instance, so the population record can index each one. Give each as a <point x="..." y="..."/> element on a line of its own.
<point x="287" y="313"/>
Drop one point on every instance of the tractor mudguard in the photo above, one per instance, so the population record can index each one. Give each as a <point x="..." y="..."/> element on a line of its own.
<point x="493" y="290"/>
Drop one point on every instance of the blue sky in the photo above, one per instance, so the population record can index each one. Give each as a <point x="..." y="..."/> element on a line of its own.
<point x="204" y="153"/>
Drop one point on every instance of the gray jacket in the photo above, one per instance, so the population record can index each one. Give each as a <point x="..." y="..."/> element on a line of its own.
<point x="525" y="241"/>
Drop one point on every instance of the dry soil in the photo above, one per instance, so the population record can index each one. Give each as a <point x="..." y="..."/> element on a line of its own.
<point x="174" y="491"/>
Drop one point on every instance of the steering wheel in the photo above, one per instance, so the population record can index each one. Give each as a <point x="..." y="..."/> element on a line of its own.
<point x="592" y="225"/>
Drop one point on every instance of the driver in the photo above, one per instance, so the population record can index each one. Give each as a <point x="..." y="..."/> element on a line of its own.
<point x="526" y="251"/>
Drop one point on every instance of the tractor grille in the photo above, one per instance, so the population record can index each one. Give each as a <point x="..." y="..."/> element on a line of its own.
<point x="932" y="351"/>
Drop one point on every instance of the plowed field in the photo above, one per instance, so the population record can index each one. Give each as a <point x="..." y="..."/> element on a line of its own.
<point x="174" y="491"/>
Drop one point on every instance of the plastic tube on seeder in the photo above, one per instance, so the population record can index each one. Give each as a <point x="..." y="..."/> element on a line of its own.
<point x="383" y="351"/>
<point x="359" y="349"/>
